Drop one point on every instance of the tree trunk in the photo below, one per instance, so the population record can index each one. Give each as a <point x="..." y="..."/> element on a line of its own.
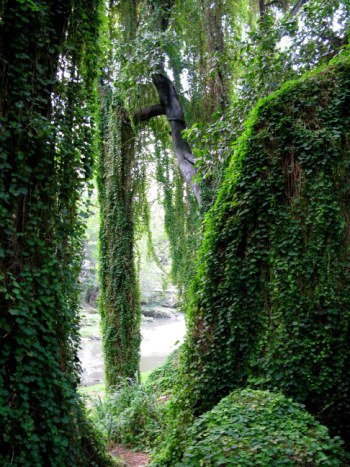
<point x="42" y="421"/>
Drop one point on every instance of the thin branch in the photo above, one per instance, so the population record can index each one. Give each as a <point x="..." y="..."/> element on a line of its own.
<point x="295" y="10"/>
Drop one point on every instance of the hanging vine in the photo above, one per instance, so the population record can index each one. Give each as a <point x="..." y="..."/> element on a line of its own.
<point x="182" y="220"/>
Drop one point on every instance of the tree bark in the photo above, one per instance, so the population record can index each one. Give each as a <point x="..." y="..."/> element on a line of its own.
<point x="262" y="9"/>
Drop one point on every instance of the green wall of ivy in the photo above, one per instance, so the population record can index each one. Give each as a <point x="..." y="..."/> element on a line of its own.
<point x="48" y="71"/>
<point x="271" y="299"/>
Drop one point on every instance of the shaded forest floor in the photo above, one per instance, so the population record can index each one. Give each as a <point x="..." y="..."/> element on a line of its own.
<point x="131" y="458"/>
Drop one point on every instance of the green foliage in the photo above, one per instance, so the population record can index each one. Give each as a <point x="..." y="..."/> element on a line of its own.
<point x="119" y="295"/>
<point x="270" y="301"/>
<point x="259" y="428"/>
<point x="144" y="43"/>
<point x="285" y="46"/>
<point x="162" y="380"/>
<point x="48" y="73"/>
<point x="130" y="414"/>
<point x="279" y="48"/>
<point x="133" y="413"/>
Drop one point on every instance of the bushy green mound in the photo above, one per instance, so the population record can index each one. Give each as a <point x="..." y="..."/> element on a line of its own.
<point x="129" y="415"/>
<point x="262" y="429"/>
<point x="271" y="298"/>
<point x="162" y="380"/>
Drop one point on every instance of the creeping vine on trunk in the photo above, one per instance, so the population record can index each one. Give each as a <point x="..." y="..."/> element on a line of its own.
<point x="48" y="70"/>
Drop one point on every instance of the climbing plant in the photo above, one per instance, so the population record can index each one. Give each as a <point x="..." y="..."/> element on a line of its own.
<point x="270" y="299"/>
<point x="119" y="298"/>
<point x="49" y="53"/>
<point x="124" y="209"/>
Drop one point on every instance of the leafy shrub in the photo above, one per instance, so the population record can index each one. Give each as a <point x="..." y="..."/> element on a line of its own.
<point x="162" y="380"/>
<point x="129" y="415"/>
<point x="260" y="428"/>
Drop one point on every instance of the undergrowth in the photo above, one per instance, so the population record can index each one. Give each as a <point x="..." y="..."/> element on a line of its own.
<point x="134" y="413"/>
<point x="161" y="380"/>
<point x="129" y="414"/>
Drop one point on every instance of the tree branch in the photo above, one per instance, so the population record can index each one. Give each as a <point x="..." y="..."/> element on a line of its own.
<point x="147" y="113"/>
<point x="262" y="9"/>
<point x="170" y="102"/>
<point x="171" y="107"/>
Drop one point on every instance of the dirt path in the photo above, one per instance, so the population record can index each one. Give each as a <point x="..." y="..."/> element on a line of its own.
<point x="131" y="458"/>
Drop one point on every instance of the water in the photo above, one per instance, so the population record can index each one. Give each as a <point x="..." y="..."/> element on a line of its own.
<point x="159" y="338"/>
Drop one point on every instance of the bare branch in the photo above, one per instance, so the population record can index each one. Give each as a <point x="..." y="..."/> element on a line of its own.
<point x="170" y="102"/>
<point x="147" y="113"/>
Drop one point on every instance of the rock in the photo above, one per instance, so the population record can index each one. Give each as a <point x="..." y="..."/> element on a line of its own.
<point x="159" y="312"/>
<point x="89" y="310"/>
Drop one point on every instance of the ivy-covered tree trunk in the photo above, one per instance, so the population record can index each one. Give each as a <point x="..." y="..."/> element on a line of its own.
<point x="43" y="169"/>
<point x="270" y="302"/>
<point x="119" y="293"/>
